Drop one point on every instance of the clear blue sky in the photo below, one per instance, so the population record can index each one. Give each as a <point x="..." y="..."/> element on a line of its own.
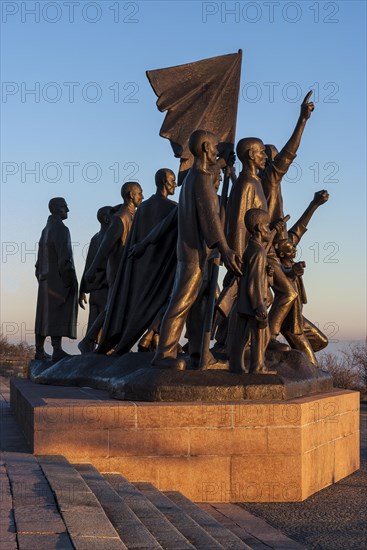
<point x="93" y="108"/>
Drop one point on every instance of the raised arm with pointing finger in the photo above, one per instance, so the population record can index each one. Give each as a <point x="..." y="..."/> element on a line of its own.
<point x="278" y="163"/>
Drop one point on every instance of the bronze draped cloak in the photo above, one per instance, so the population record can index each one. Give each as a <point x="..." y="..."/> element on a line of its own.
<point x="57" y="301"/>
<point x="142" y="285"/>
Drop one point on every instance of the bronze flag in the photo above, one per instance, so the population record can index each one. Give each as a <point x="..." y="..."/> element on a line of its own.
<point x="200" y="95"/>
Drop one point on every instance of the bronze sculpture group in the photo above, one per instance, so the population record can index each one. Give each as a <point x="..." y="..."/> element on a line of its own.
<point x="151" y="269"/>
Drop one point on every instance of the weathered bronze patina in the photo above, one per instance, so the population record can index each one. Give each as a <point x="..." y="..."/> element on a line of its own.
<point x="161" y="265"/>
<point x="57" y="301"/>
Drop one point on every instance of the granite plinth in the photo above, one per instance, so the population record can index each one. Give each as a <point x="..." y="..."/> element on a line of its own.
<point x="259" y="451"/>
<point x="131" y="377"/>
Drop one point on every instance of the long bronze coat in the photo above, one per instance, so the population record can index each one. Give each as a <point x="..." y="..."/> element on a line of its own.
<point x="111" y="249"/>
<point x="57" y="302"/>
<point x="253" y="286"/>
<point x="143" y="284"/>
<point x="247" y="192"/>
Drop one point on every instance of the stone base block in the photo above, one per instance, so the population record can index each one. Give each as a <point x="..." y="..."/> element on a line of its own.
<point x="273" y="451"/>
<point x="130" y="377"/>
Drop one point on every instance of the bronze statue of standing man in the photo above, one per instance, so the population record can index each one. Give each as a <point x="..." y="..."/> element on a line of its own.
<point x="57" y="301"/>
<point x="199" y="230"/>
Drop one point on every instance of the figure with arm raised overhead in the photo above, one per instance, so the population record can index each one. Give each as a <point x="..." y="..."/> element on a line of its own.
<point x="264" y="167"/>
<point x="299" y="331"/>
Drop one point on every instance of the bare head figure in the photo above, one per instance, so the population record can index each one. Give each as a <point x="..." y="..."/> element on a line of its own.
<point x="165" y="181"/>
<point x="271" y="152"/>
<point x="104" y="215"/>
<point x="285" y="249"/>
<point x="257" y="221"/>
<point x="131" y="192"/>
<point x="251" y="152"/>
<point x="58" y="206"/>
<point x="203" y="145"/>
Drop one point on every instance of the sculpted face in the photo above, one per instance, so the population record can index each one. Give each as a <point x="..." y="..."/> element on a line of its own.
<point x="264" y="231"/>
<point x="271" y="152"/>
<point x="63" y="210"/>
<point x="258" y="156"/>
<point x="170" y="184"/>
<point x="211" y="149"/>
<point x="137" y="195"/>
<point x="287" y="251"/>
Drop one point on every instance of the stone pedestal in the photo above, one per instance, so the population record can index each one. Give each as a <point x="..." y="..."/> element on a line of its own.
<point x="273" y="451"/>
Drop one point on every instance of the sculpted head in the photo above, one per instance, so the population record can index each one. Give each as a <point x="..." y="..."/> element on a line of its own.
<point x="257" y="221"/>
<point x="165" y="181"/>
<point x="131" y="192"/>
<point x="285" y="249"/>
<point x="58" y="207"/>
<point x="104" y="215"/>
<point x="203" y="145"/>
<point x="251" y="151"/>
<point x="271" y="152"/>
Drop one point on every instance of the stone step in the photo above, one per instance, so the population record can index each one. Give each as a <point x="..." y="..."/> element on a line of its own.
<point x="29" y="517"/>
<point x="221" y="532"/>
<point x="129" y="527"/>
<point x="189" y="527"/>
<point x="267" y="536"/>
<point x="253" y="542"/>
<point x="88" y="526"/>
<point x="31" y="512"/>
<point x="217" y="530"/>
<point x="165" y="533"/>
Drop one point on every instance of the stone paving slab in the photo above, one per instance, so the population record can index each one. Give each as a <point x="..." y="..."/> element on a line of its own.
<point x="7" y="529"/>
<point x="214" y="522"/>
<point x="5" y="492"/>
<point x="30" y="519"/>
<point x="8" y="539"/>
<point x="32" y="494"/>
<point x="58" y="541"/>
<point x="38" y="519"/>
<point x="21" y="460"/>
<point x="201" y="539"/>
<point x="81" y="511"/>
<point x="165" y="533"/>
<point x="8" y="544"/>
<point x="241" y="533"/>
<point x="258" y="528"/>
<point x="131" y="530"/>
<point x="86" y="522"/>
<point x="100" y="543"/>
<point x="29" y="486"/>
<point x="70" y="489"/>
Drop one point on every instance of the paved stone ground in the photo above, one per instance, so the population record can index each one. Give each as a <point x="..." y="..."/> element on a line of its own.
<point x="29" y="517"/>
<point x="333" y="519"/>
